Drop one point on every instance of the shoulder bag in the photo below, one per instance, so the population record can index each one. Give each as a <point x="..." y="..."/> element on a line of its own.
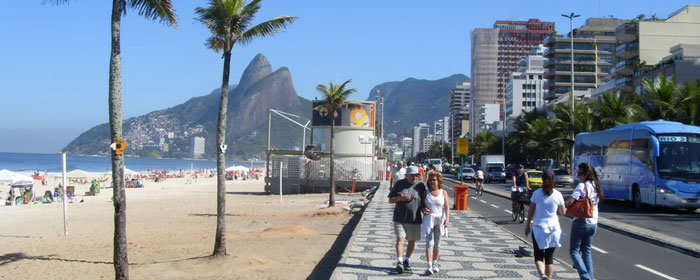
<point x="582" y="207"/>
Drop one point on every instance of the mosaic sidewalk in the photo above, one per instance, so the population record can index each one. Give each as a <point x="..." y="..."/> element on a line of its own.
<point x="475" y="249"/>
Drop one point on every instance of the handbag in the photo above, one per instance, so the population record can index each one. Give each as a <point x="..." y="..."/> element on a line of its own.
<point x="582" y="207"/>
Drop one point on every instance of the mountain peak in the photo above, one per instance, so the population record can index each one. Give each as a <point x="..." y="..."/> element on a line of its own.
<point x="257" y="69"/>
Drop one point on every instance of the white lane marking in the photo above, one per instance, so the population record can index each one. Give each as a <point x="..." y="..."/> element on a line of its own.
<point x="494" y="206"/>
<point x="509" y="212"/>
<point x="655" y="272"/>
<point x="482" y="200"/>
<point x="599" y="250"/>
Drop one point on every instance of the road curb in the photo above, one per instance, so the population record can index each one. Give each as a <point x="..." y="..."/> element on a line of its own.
<point x="632" y="231"/>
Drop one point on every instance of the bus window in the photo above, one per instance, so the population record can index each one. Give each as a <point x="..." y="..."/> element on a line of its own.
<point x="679" y="158"/>
<point x="641" y="149"/>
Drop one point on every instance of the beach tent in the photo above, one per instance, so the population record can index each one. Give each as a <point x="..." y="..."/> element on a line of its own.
<point x="7" y="176"/>
<point x="239" y="168"/>
<point x="78" y="173"/>
<point x="127" y="171"/>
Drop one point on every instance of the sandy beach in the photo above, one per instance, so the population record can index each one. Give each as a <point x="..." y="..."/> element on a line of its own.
<point x="170" y="229"/>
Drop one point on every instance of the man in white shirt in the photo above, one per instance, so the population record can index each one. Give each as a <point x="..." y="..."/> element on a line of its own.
<point x="398" y="173"/>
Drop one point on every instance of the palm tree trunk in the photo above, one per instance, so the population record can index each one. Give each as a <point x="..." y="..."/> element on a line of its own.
<point x="331" y="199"/>
<point x="220" y="242"/>
<point x="121" y="260"/>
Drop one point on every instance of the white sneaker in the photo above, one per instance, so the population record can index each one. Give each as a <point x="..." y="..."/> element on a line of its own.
<point x="435" y="268"/>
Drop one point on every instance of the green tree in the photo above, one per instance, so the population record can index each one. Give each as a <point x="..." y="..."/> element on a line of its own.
<point x="334" y="97"/>
<point x="661" y="98"/>
<point x="689" y="101"/>
<point x="439" y="150"/>
<point x="484" y="143"/>
<point x="229" y="22"/>
<point x="563" y="127"/>
<point x="538" y="138"/>
<point x="159" y="10"/>
<point x="616" y="108"/>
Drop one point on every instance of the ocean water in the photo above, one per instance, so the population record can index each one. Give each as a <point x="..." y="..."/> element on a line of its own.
<point x="27" y="163"/>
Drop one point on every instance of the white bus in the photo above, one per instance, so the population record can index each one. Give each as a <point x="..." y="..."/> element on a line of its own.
<point x="652" y="162"/>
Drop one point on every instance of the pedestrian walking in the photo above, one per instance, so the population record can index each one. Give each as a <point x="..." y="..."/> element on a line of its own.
<point x="583" y="229"/>
<point x="407" y="194"/>
<point x="545" y="203"/>
<point x="398" y="174"/>
<point x="436" y="217"/>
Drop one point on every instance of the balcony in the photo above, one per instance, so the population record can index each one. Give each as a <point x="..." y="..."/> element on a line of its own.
<point x="625" y="67"/>
<point x="627" y="50"/>
<point x="627" y="32"/>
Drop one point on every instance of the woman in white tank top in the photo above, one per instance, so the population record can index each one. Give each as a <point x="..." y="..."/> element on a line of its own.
<point x="436" y="216"/>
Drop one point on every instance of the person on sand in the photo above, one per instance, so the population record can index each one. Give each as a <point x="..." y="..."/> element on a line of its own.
<point x="545" y="203"/>
<point x="436" y="217"/>
<point x="407" y="194"/>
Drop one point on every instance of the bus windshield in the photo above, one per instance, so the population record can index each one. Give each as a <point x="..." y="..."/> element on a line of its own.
<point x="679" y="156"/>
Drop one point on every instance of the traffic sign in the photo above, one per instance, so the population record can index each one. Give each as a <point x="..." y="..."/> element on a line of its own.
<point x="462" y="146"/>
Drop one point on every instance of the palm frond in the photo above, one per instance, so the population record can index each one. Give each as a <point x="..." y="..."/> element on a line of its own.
<point x="54" y="2"/>
<point x="160" y="10"/>
<point x="265" y="29"/>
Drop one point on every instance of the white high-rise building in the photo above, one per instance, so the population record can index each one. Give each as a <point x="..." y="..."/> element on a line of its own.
<point x="446" y="129"/>
<point x="407" y="146"/>
<point x="525" y="91"/>
<point x="419" y="133"/>
<point x="197" y="146"/>
<point x="428" y="142"/>
<point x="489" y="117"/>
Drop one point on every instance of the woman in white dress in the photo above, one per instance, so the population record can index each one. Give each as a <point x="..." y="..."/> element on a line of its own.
<point x="545" y="203"/>
<point x="436" y="216"/>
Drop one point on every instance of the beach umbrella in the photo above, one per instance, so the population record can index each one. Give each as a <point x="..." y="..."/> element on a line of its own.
<point x="78" y="173"/>
<point x="7" y="176"/>
<point x="238" y="168"/>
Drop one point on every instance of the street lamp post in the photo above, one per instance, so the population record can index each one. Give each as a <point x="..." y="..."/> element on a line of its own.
<point x="571" y="17"/>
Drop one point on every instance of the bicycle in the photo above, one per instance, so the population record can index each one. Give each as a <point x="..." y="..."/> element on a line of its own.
<point x="518" y="210"/>
<point x="479" y="187"/>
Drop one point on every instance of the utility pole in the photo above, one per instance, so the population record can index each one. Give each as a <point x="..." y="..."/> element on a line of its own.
<point x="571" y="17"/>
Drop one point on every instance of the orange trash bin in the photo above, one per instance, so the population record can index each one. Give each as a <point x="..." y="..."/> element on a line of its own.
<point x="461" y="197"/>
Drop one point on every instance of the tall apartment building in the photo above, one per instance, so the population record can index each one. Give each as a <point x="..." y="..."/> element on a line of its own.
<point x="438" y="129"/>
<point x="460" y="100"/>
<point x="647" y="42"/>
<point x="197" y="146"/>
<point x="420" y="132"/>
<point x="428" y="141"/>
<point x="495" y="55"/>
<point x="407" y="147"/>
<point x="594" y="46"/>
<point x="525" y="91"/>
<point x="490" y="117"/>
<point x="447" y="125"/>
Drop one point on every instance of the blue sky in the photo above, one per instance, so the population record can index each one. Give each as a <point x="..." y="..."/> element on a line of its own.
<point x="54" y="59"/>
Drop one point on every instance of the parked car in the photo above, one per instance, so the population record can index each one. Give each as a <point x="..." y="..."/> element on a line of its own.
<point x="534" y="177"/>
<point x="468" y="173"/>
<point x="562" y="177"/>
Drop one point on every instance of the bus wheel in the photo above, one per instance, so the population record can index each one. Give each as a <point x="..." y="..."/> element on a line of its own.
<point x="691" y="209"/>
<point x="637" y="198"/>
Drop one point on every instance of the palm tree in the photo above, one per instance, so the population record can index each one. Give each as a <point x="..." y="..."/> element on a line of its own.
<point x="689" y="97"/>
<point x="162" y="11"/>
<point x="334" y="97"/>
<point x="539" y="138"/>
<point x="485" y="142"/>
<point x="616" y="108"/>
<point x="230" y="22"/>
<point x="661" y="97"/>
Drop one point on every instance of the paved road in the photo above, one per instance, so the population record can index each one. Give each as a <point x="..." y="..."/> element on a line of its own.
<point x="676" y="223"/>
<point x="616" y="256"/>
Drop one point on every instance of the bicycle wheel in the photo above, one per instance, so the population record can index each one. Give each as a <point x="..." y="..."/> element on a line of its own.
<point x="522" y="213"/>
<point x="515" y="212"/>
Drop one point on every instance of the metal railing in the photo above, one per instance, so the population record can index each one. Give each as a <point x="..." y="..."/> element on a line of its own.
<point x="294" y="166"/>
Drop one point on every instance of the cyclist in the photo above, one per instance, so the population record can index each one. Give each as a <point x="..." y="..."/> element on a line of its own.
<point x="520" y="183"/>
<point x="479" y="176"/>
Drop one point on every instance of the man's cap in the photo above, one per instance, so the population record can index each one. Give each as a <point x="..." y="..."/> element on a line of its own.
<point x="400" y="162"/>
<point x="520" y="166"/>
<point x="412" y="170"/>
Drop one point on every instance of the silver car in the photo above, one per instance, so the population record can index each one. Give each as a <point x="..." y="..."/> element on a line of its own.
<point x="562" y="177"/>
<point x="467" y="172"/>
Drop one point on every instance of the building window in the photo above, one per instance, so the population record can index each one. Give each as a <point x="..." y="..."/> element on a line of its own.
<point x="531" y="77"/>
<point x="524" y="86"/>
<point x="524" y="103"/>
